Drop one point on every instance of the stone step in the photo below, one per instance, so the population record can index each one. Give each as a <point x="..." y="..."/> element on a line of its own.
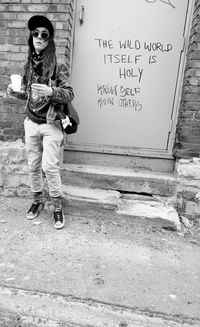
<point x="120" y="179"/>
<point x="143" y="208"/>
<point x="88" y="155"/>
<point x="90" y="198"/>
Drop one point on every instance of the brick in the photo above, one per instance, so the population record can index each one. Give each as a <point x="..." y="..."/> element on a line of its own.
<point x="194" y="46"/>
<point x="186" y="114"/>
<point x="8" y="16"/>
<point x="5" y="109"/>
<point x="189" y="122"/>
<point x="14" y="65"/>
<point x="197" y="116"/>
<point x="37" y="1"/>
<point x="3" y="7"/>
<point x="35" y="8"/>
<point x="60" y="17"/>
<point x="186" y="150"/>
<point x="15" y="8"/>
<point x="63" y="8"/>
<point x="190" y="97"/>
<point x="191" y="89"/>
<point x="193" y="81"/>
<point x="192" y="64"/>
<point x="185" y="130"/>
<point x="16" y="24"/>
<point x="189" y="139"/>
<point x="59" y="26"/>
<point x="5" y="124"/>
<point x="8" y="131"/>
<point x="10" y="137"/>
<point x="24" y="17"/>
<point x="18" y="132"/>
<point x="2" y="138"/>
<point x="18" y="119"/>
<point x="53" y="8"/>
<point x="188" y="195"/>
<point x="198" y="72"/>
<point x="189" y="105"/>
<point x="190" y="72"/>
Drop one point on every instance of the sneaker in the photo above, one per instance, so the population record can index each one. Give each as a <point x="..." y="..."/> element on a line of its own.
<point x="34" y="210"/>
<point x="59" y="219"/>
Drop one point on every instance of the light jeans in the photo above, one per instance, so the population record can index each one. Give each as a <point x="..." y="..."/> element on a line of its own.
<point x="43" y="149"/>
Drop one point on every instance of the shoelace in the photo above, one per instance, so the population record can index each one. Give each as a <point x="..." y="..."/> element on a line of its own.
<point x="58" y="215"/>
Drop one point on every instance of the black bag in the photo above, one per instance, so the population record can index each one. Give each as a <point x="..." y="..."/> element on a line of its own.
<point x="69" y="110"/>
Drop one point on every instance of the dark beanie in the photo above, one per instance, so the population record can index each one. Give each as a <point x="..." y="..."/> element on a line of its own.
<point x="40" y="21"/>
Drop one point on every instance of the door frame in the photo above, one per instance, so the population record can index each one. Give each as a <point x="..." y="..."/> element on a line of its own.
<point x="133" y="151"/>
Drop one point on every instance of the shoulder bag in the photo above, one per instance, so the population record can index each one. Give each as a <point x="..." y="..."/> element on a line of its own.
<point x="69" y="118"/>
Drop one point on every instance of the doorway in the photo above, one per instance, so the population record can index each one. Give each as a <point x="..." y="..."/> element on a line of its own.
<point x="126" y="73"/>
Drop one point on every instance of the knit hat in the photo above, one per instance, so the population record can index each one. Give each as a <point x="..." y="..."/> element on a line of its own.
<point x="40" y="21"/>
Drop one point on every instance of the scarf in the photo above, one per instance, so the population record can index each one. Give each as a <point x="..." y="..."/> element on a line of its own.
<point x="36" y="73"/>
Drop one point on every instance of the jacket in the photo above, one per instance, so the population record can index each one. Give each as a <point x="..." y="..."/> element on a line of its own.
<point x="62" y="93"/>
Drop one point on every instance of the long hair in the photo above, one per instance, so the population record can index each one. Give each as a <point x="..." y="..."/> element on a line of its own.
<point x="49" y="61"/>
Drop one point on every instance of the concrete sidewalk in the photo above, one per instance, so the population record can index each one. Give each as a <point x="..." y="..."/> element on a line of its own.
<point x="127" y="273"/>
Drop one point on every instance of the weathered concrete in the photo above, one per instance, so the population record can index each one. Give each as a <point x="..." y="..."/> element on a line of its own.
<point x="94" y="186"/>
<point x="98" y="259"/>
<point x="136" y="162"/>
<point x="152" y="210"/>
<point x="12" y="152"/>
<point x="14" y="179"/>
<point x="188" y="187"/>
<point x="26" y="308"/>
<point x="105" y="186"/>
<point x="121" y="179"/>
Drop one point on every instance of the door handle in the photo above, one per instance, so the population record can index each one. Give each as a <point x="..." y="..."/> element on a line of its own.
<point x="81" y="16"/>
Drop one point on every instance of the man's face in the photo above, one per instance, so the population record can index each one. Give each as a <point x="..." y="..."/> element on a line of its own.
<point x="40" y="38"/>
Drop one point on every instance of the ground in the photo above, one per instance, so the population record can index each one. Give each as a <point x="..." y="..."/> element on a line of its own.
<point x="108" y="258"/>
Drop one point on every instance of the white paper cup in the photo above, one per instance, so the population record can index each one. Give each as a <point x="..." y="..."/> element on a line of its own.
<point x="16" y="81"/>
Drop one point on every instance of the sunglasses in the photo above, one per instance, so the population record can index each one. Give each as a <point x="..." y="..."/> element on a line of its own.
<point x="44" y="35"/>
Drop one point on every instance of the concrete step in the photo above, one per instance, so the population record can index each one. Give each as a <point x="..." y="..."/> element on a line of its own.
<point x="120" y="179"/>
<point x="143" y="208"/>
<point x="88" y="155"/>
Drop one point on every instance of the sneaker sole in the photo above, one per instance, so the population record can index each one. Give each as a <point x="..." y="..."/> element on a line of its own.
<point x="61" y="225"/>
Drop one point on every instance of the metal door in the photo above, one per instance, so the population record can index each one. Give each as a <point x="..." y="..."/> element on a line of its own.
<point x="125" y="71"/>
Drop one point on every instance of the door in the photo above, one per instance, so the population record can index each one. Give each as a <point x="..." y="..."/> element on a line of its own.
<point x="126" y="71"/>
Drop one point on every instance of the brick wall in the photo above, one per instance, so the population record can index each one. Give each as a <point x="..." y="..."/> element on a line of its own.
<point x="187" y="143"/>
<point x="14" y="15"/>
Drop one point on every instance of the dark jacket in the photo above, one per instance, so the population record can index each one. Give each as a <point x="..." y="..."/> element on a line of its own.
<point x="62" y="93"/>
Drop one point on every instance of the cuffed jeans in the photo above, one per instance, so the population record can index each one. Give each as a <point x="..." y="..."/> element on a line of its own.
<point x="43" y="148"/>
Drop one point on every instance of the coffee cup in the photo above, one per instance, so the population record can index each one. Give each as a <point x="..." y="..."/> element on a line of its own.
<point x="16" y="81"/>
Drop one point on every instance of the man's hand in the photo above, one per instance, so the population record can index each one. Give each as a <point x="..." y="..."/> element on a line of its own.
<point x="11" y="93"/>
<point x="41" y="90"/>
<point x="10" y="89"/>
